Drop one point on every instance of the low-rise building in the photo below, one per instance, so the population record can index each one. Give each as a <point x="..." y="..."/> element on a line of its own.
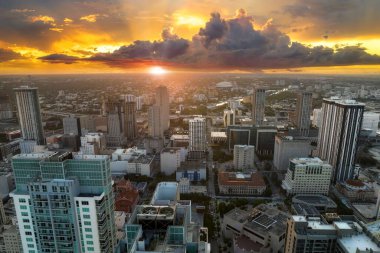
<point x="320" y="202"/>
<point x="171" y="159"/>
<point x="315" y="234"/>
<point x="259" y="230"/>
<point x="126" y="196"/>
<point x="356" y="190"/>
<point x="194" y="170"/>
<point x="307" y="176"/>
<point x="235" y="183"/>
<point x="131" y="160"/>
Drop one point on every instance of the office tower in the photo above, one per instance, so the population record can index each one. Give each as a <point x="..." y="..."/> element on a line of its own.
<point x="130" y="117"/>
<point x="3" y="217"/>
<point x="258" y="106"/>
<point x="71" y="125"/>
<point x="64" y="202"/>
<point x="162" y="100"/>
<point x="197" y="135"/>
<point x="307" y="176"/>
<point x="286" y="148"/>
<point x="154" y="121"/>
<point x="29" y="114"/>
<point x="5" y="107"/>
<point x="139" y="102"/>
<point x="303" y="111"/>
<point x="317" y="118"/>
<point x="265" y="139"/>
<point x="338" y="135"/>
<point x="314" y="234"/>
<point x="244" y="157"/>
<point x="370" y="123"/>
<point x="115" y="123"/>
<point x="229" y="117"/>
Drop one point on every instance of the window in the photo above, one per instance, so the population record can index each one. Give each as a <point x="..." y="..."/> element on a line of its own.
<point x="27" y="227"/>
<point x="85" y="203"/>
<point x="87" y="223"/>
<point x="25" y="220"/>
<point x="88" y="236"/>
<point x="90" y="248"/>
<point x="23" y="207"/>
<point x="30" y="245"/>
<point x="28" y="239"/>
<point x="90" y="242"/>
<point x="24" y="213"/>
<point x="22" y="200"/>
<point x="85" y="209"/>
<point x="86" y="216"/>
<point x="28" y="233"/>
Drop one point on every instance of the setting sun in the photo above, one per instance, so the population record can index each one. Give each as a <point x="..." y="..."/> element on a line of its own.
<point x="157" y="70"/>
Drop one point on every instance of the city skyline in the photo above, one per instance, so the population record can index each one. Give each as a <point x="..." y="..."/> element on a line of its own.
<point x="185" y="36"/>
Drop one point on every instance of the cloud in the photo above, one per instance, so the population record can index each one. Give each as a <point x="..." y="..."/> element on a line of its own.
<point x="8" y="55"/>
<point x="43" y="19"/>
<point x="90" y="18"/>
<point x="232" y="43"/>
<point x="59" y="58"/>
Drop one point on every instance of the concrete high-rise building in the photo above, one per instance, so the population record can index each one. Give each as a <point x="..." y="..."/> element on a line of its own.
<point x="197" y="135"/>
<point x="286" y="148"/>
<point x="29" y="114"/>
<point x="307" y="176"/>
<point x="314" y="234"/>
<point x="303" y="111"/>
<point x="317" y="117"/>
<point x="371" y="122"/>
<point x="5" y="107"/>
<point x="71" y="125"/>
<point x="154" y="121"/>
<point x="229" y="117"/>
<point x="64" y="202"/>
<point x="130" y="124"/>
<point x="258" y="106"/>
<point x="162" y="99"/>
<point x="244" y="157"/>
<point x="338" y="135"/>
<point x="115" y="123"/>
<point x="139" y="102"/>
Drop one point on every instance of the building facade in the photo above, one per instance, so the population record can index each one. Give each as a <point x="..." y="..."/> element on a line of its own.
<point x="29" y="114"/>
<point x="71" y="125"/>
<point x="244" y="157"/>
<point x="303" y="112"/>
<point x="286" y="148"/>
<point x="229" y="117"/>
<point x="197" y="134"/>
<point x="307" y="176"/>
<point x="232" y="183"/>
<point x="258" y="106"/>
<point x="162" y="100"/>
<point x="338" y="135"/>
<point x="64" y="202"/>
<point x="154" y="121"/>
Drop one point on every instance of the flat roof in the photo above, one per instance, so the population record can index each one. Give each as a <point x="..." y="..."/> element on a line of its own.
<point x="359" y="241"/>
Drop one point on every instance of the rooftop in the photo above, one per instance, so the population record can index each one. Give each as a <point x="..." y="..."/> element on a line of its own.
<point x="315" y="200"/>
<point x="231" y="178"/>
<point x="358" y="241"/>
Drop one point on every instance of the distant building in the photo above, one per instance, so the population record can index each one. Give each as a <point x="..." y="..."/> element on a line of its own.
<point x="29" y="114"/>
<point x="197" y="135"/>
<point x="244" y="157"/>
<point x="321" y="203"/>
<point x="71" y="125"/>
<point x="303" y="112"/>
<point x="171" y="159"/>
<point x="307" y="176"/>
<point x="356" y="190"/>
<point x="130" y="124"/>
<point x="193" y="170"/>
<point x="5" y="107"/>
<point x="229" y="117"/>
<point x="317" y="118"/>
<point x="258" y="106"/>
<point x="241" y="183"/>
<point x="139" y="102"/>
<point x="314" y="234"/>
<point x="162" y="100"/>
<point x="241" y="135"/>
<point x="338" y="135"/>
<point x="92" y="144"/>
<point x="371" y="122"/>
<point x="179" y="140"/>
<point x="154" y="119"/>
<point x="265" y="139"/>
<point x="10" y="241"/>
<point x="288" y="147"/>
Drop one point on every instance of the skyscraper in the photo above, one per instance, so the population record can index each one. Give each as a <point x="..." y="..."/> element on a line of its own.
<point x="229" y="117"/>
<point x="338" y="135"/>
<point x="71" y="125"/>
<point x="154" y="121"/>
<point x="303" y="111"/>
<point x="197" y="135"/>
<point x="29" y="114"/>
<point x="115" y="123"/>
<point x="130" y="117"/>
<point x="162" y="100"/>
<point x="64" y="202"/>
<point x="258" y="106"/>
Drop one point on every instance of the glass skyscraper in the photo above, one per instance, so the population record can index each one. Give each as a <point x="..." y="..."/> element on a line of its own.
<point x="64" y="202"/>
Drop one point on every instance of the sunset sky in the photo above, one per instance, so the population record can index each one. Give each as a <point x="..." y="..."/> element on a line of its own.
<point x="269" y="36"/>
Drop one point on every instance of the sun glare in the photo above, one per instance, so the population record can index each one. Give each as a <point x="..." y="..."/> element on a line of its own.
<point x="157" y="70"/>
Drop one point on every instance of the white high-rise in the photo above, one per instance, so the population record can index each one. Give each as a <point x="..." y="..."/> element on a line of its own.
<point x="162" y="100"/>
<point x="307" y="176"/>
<point x="338" y="135"/>
<point x="244" y="157"/>
<point x="303" y="110"/>
<point x="317" y="117"/>
<point x="371" y="122"/>
<point x="29" y="114"/>
<point x="197" y="134"/>
<point x="258" y="106"/>
<point x="229" y="117"/>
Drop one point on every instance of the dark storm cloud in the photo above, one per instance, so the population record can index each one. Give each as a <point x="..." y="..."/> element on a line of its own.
<point x="234" y="43"/>
<point x="338" y="18"/>
<point x="7" y="55"/>
<point x="59" y="58"/>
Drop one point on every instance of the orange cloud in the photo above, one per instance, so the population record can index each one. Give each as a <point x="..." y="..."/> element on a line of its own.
<point x="90" y="18"/>
<point x="44" y="19"/>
